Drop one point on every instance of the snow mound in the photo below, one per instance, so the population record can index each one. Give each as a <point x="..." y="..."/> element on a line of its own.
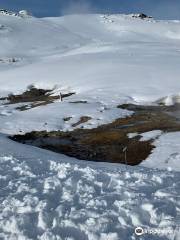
<point x="170" y="100"/>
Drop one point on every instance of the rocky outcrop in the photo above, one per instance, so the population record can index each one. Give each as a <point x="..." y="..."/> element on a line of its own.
<point x="22" y="13"/>
<point x="141" y="16"/>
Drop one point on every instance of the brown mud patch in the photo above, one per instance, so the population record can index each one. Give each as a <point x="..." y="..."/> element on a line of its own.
<point x="107" y="142"/>
<point x="35" y="97"/>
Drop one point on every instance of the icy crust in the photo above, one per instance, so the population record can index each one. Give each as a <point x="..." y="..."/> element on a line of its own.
<point x="48" y="196"/>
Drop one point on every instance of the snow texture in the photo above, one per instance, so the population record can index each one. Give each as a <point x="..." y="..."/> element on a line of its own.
<point x="50" y="196"/>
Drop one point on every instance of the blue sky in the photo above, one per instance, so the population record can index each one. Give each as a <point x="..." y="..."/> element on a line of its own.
<point x="161" y="9"/>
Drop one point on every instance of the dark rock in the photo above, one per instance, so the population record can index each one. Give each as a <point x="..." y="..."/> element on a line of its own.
<point x="141" y="15"/>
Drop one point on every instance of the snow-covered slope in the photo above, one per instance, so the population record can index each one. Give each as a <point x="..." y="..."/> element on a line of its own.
<point x="96" y="56"/>
<point x="106" y="60"/>
<point x="31" y="37"/>
<point x="100" y="51"/>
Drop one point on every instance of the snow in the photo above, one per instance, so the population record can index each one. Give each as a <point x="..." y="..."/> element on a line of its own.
<point x="132" y="135"/>
<point x="166" y="155"/>
<point x="105" y="63"/>
<point x="99" y="54"/>
<point x="107" y="60"/>
<point x="49" y="196"/>
<point x="50" y="117"/>
<point x="150" y="135"/>
<point x="147" y="135"/>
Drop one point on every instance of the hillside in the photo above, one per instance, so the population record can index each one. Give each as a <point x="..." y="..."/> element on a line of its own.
<point x="88" y="70"/>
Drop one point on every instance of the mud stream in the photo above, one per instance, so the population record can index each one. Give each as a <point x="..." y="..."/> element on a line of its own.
<point x="107" y="142"/>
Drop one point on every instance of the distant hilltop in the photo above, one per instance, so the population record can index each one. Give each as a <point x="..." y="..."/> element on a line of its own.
<point x="22" y="13"/>
<point x="141" y="15"/>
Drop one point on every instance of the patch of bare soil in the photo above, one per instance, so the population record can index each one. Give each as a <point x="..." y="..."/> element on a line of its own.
<point x="36" y="97"/>
<point x="107" y="142"/>
<point x="83" y="119"/>
<point x="78" y="102"/>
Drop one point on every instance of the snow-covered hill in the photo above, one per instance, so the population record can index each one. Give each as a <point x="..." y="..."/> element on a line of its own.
<point x="107" y="60"/>
<point x="100" y="51"/>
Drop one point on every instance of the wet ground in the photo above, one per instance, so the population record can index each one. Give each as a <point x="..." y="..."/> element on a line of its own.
<point x="110" y="142"/>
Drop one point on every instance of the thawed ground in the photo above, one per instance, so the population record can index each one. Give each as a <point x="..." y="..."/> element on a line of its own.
<point x="106" y="61"/>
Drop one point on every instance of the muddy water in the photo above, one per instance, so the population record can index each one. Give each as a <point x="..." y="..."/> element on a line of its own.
<point x="107" y="143"/>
